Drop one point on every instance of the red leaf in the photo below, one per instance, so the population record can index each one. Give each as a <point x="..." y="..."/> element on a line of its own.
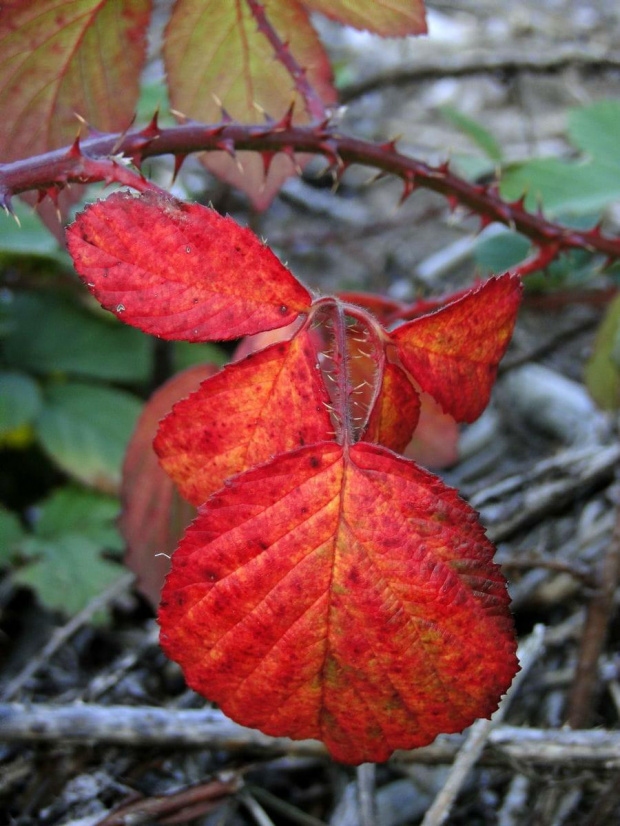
<point x="181" y="271"/>
<point x="453" y="353"/>
<point x="387" y="17"/>
<point x="270" y="402"/>
<point x="61" y="57"/>
<point x="344" y="596"/>
<point x="204" y="39"/>
<point x="154" y="514"/>
<point x="381" y="307"/>
<point x="395" y="414"/>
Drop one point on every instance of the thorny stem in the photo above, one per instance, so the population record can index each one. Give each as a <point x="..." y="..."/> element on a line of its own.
<point x="312" y="99"/>
<point x="67" y="164"/>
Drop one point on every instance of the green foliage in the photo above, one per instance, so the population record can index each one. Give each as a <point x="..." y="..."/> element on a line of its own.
<point x="62" y="556"/>
<point x="85" y="430"/>
<point x="602" y="372"/>
<point x="588" y="183"/>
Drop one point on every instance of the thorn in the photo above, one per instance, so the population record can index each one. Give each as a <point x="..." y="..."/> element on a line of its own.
<point x="5" y="202"/>
<point x="267" y="157"/>
<point x="152" y="130"/>
<point x="408" y="186"/>
<point x="122" y="136"/>
<point x="453" y="202"/>
<point x="519" y="203"/>
<point x="178" y="163"/>
<point x="390" y="146"/>
<point x="286" y="121"/>
<point x="376" y="177"/>
<point x="485" y="220"/>
<point x="226" y="145"/>
<point x="75" y="150"/>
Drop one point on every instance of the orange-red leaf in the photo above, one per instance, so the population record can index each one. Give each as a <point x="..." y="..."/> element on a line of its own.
<point x="154" y="514"/>
<point x="270" y="402"/>
<point x="181" y="271"/>
<point x="205" y="41"/>
<point x="349" y="597"/>
<point x="391" y="18"/>
<point x="453" y="353"/>
<point x="395" y="414"/>
<point x="61" y="57"/>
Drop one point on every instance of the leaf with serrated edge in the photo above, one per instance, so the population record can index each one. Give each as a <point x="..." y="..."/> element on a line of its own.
<point x="453" y="353"/>
<point x="181" y="271"/>
<point x="391" y="19"/>
<point x="203" y="40"/>
<point x="347" y="596"/>
<point x="154" y="514"/>
<point x="270" y="402"/>
<point x="395" y="414"/>
<point x="61" y="57"/>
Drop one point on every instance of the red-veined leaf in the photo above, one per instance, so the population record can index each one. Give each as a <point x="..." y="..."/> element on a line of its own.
<point x="181" y="271"/>
<point x="270" y="402"/>
<point x="154" y="513"/>
<point x="347" y="596"/>
<point x="391" y="18"/>
<point x="435" y="441"/>
<point x="205" y="40"/>
<point x="60" y="57"/>
<point x="395" y="414"/>
<point x="453" y="353"/>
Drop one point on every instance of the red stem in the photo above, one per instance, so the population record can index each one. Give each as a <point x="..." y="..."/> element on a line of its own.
<point x="312" y="99"/>
<point x="63" y="165"/>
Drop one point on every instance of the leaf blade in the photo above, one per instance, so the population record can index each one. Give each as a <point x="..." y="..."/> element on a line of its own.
<point x="64" y="57"/>
<point x="453" y="353"/>
<point x="276" y="605"/>
<point x="181" y="271"/>
<point x="390" y="19"/>
<point x="271" y="401"/>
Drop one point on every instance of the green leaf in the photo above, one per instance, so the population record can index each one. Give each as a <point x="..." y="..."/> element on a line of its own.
<point x="602" y="372"/>
<point x="71" y="340"/>
<point x="68" y="572"/>
<point x="85" y="430"/>
<point x="498" y="253"/>
<point x="74" y="510"/>
<point x="475" y="131"/>
<point x="20" y="401"/>
<point x="595" y="130"/>
<point x="188" y="354"/>
<point x="12" y="535"/>
<point x="561" y="186"/>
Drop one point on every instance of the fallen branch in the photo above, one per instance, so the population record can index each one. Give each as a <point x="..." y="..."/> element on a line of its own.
<point x="210" y="729"/>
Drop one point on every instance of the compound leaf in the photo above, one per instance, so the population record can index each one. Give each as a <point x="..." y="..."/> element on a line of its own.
<point x="61" y="57"/>
<point x="347" y="596"/>
<point x="270" y="402"/>
<point x="181" y="271"/>
<point x="154" y="514"/>
<point x="453" y="353"/>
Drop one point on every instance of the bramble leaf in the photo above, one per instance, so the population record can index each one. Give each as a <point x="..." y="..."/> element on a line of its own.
<point x="344" y="595"/>
<point x="270" y="402"/>
<point x="395" y="415"/>
<point x="453" y="353"/>
<point x="391" y="19"/>
<point x="59" y="58"/>
<point x="181" y="271"/>
<point x="154" y="514"/>
<point x="204" y="38"/>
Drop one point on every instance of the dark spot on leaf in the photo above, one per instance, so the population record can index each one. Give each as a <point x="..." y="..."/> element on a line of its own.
<point x="315" y="461"/>
<point x="283" y="309"/>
